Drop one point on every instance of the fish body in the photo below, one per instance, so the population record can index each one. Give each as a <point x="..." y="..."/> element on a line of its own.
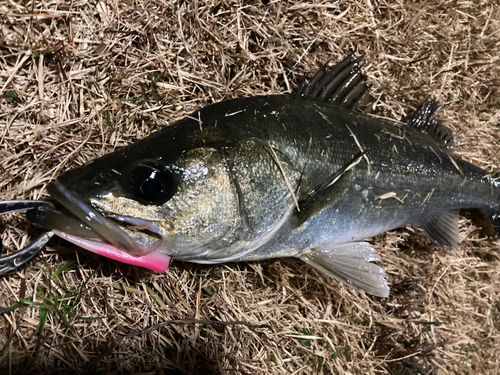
<point x="405" y="178"/>
<point x="307" y="175"/>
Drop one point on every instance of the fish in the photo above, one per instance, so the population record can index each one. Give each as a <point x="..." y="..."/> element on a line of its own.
<point x="309" y="175"/>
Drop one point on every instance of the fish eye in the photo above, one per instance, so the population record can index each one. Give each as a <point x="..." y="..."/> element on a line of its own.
<point x="152" y="184"/>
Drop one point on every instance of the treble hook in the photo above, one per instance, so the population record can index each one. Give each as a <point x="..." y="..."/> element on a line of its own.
<point x="12" y="261"/>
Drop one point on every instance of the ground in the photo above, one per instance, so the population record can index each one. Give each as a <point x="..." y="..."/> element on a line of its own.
<point x="79" y="79"/>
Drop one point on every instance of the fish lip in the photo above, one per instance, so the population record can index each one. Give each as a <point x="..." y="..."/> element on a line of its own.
<point x="102" y="225"/>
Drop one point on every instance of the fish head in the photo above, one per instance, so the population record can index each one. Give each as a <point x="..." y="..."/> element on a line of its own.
<point x="171" y="198"/>
<point x="206" y="194"/>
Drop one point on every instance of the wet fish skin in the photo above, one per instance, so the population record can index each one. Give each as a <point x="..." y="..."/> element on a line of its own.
<point x="409" y="181"/>
<point x="246" y="181"/>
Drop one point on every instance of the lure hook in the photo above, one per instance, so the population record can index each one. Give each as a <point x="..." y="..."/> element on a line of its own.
<point x="12" y="261"/>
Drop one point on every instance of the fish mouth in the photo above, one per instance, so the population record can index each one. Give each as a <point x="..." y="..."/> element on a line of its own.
<point x="127" y="239"/>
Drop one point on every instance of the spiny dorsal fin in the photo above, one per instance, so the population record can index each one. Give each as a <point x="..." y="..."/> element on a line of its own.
<point x="443" y="230"/>
<point x="424" y="120"/>
<point x="343" y="84"/>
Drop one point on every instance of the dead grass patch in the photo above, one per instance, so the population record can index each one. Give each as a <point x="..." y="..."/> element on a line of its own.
<point x="79" y="79"/>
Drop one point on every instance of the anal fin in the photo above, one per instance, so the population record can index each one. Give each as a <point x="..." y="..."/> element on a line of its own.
<point x="351" y="264"/>
<point x="443" y="230"/>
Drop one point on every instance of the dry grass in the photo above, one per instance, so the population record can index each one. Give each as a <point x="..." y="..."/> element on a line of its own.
<point x="79" y="79"/>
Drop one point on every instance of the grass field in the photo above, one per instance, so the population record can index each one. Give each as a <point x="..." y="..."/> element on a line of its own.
<point x="79" y="79"/>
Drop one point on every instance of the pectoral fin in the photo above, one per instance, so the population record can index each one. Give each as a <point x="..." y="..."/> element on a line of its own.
<point x="351" y="264"/>
<point x="330" y="190"/>
<point x="321" y="198"/>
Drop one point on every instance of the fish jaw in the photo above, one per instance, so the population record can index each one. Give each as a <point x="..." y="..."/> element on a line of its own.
<point x="103" y="226"/>
<point x="155" y="261"/>
<point x="104" y="235"/>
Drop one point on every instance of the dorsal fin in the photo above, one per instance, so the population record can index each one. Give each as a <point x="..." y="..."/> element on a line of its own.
<point x="424" y="120"/>
<point x="343" y="84"/>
